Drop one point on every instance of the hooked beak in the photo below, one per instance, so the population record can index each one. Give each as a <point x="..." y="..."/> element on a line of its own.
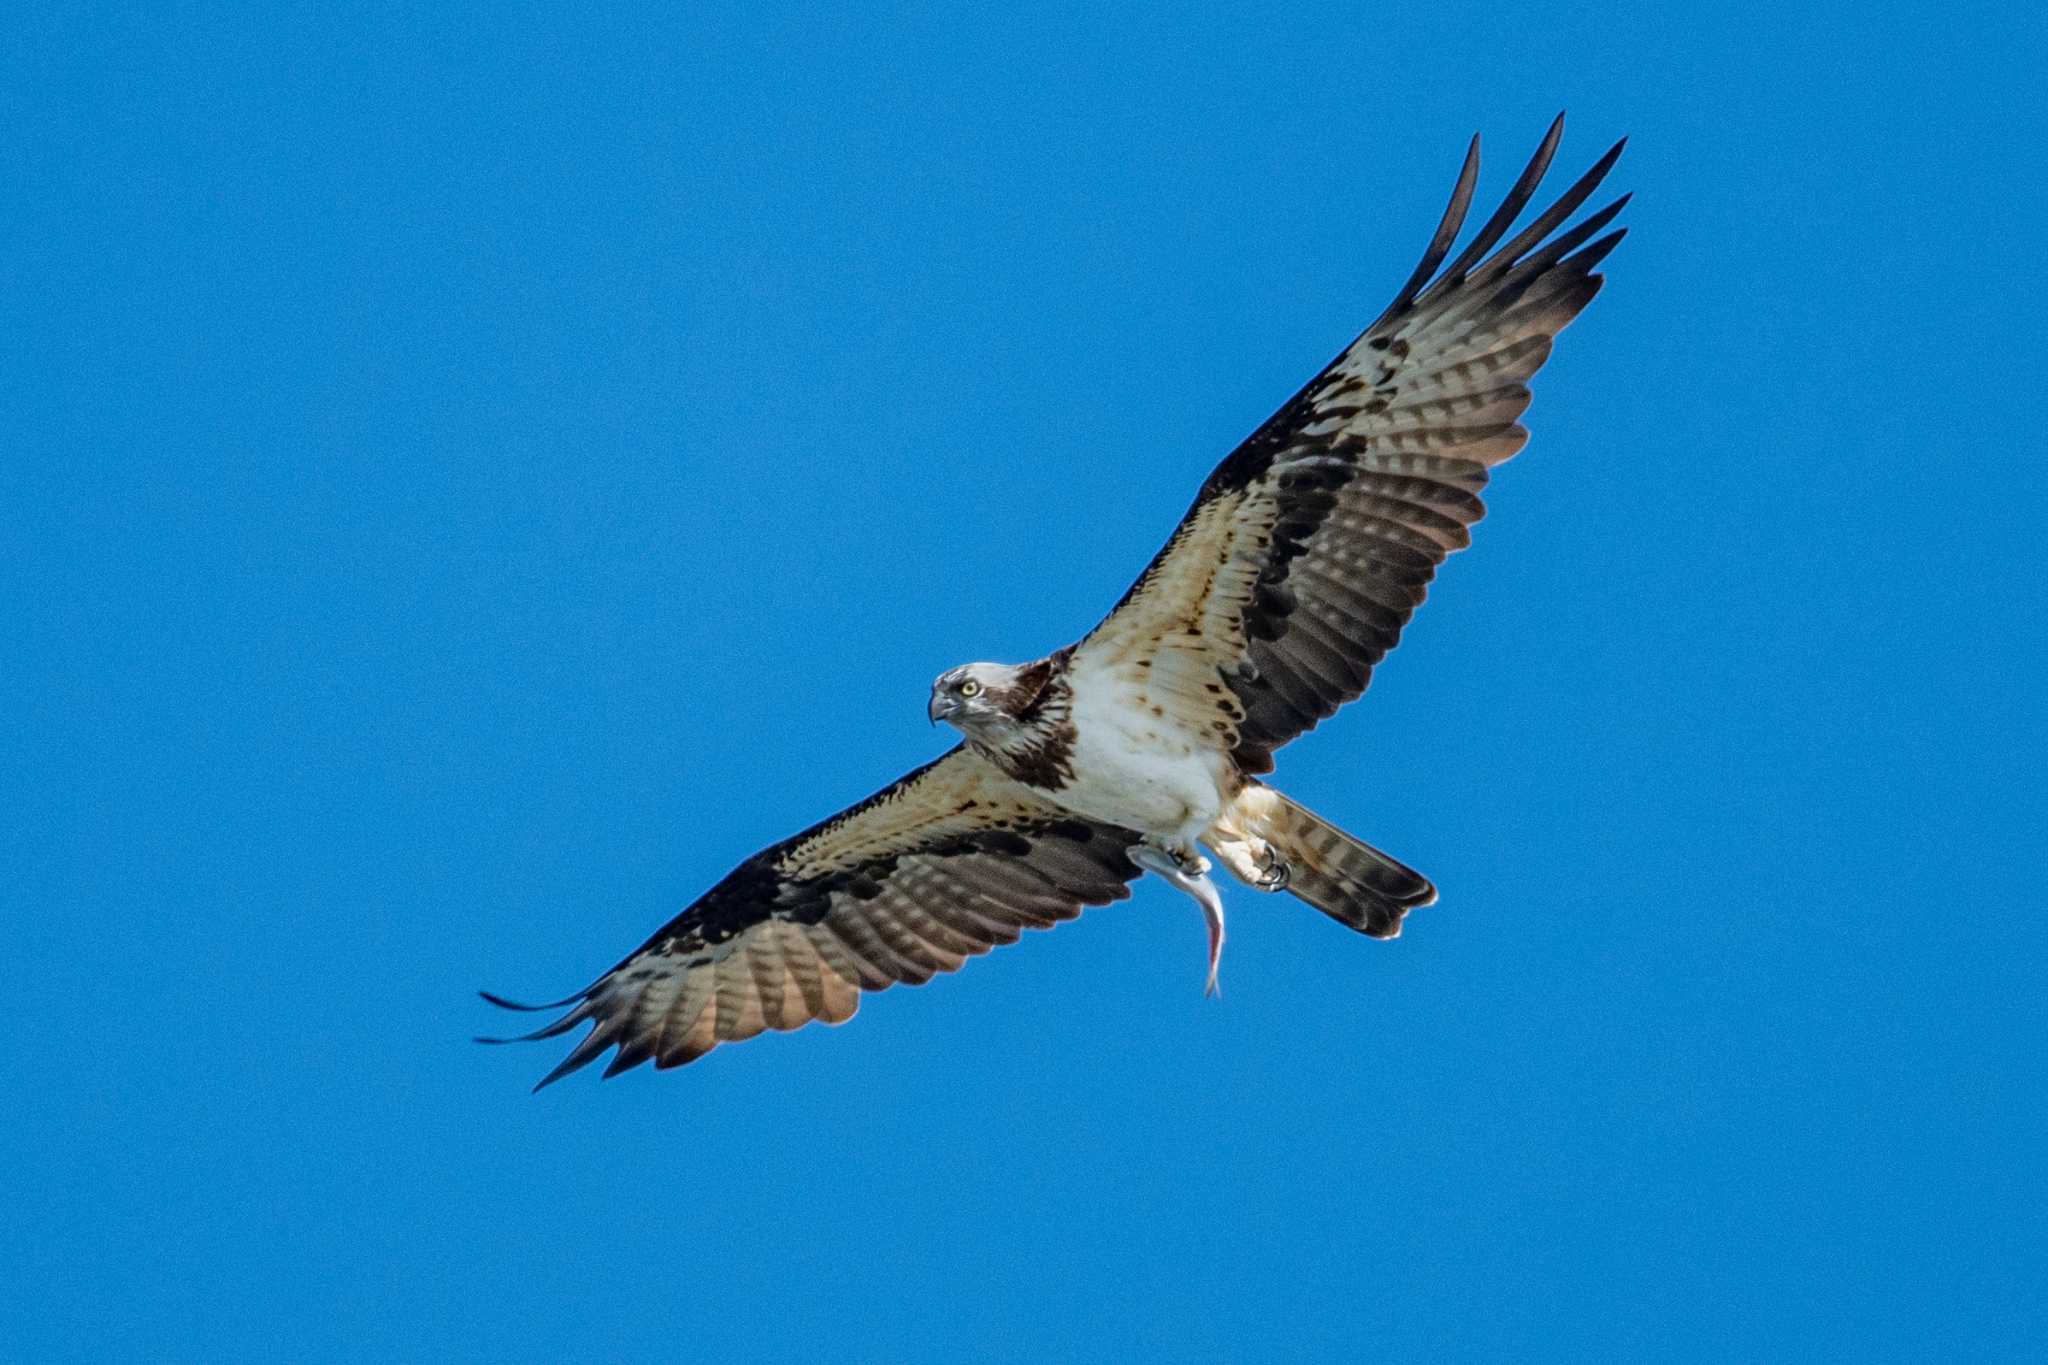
<point x="943" y="707"/>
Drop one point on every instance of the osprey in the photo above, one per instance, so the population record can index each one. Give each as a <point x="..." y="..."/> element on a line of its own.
<point x="1291" y="576"/>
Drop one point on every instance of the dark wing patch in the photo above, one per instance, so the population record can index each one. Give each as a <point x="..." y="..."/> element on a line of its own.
<point x="937" y="868"/>
<point x="1311" y="545"/>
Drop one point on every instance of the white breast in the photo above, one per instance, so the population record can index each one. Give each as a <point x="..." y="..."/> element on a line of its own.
<point x="1137" y="769"/>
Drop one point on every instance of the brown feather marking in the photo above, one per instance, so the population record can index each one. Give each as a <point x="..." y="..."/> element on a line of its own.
<point x="739" y="1013"/>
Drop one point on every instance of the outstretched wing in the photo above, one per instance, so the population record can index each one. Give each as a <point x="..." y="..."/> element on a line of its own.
<point x="1312" y="544"/>
<point x="932" y="870"/>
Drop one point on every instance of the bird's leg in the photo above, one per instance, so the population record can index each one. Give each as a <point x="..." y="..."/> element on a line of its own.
<point x="1252" y="861"/>
<point x="1189" y="871"/>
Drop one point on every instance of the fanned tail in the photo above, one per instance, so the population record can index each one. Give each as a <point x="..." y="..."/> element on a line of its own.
<point x="1339" y="874"/>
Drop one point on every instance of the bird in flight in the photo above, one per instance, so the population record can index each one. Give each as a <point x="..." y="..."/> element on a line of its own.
<point x="1145" y="743"/>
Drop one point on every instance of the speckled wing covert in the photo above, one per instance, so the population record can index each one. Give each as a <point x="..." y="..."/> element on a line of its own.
<point x="939" y="867"/>
<point x="1312" y="544"/>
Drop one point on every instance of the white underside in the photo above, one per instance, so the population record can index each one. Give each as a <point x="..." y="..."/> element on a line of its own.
<point x="1175" y="786"/>
<point x="1141" y="771"/>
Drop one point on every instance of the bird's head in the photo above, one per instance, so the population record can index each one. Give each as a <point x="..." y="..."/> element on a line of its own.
<point x="983" y="701"/>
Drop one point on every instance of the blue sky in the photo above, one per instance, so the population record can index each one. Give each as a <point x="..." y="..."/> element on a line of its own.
<point x="473" y="475"/>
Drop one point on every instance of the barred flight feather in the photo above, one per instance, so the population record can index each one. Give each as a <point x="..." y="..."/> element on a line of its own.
<point x="1352" y="495"/>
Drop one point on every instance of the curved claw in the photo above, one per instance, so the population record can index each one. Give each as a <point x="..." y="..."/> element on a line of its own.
<point x="1274" y="871"/>
<point x="1197" y="885"/>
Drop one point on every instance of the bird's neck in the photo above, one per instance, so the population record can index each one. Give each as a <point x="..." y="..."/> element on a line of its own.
<point x="1037" y="746"/>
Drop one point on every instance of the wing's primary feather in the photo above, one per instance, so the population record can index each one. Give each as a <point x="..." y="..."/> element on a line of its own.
<point x="941" y="866"/>
<point x="1310" y="545"/>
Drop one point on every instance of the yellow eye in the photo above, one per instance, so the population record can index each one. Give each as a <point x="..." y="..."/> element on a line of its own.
<point x="970" y="688"/>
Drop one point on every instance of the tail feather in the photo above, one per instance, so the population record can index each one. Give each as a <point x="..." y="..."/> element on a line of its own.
<point x="1341" y="875"/>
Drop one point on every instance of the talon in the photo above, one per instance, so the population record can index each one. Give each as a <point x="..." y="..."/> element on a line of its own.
<point x="1274" y="871"/>
<point x="1186" y="857"/>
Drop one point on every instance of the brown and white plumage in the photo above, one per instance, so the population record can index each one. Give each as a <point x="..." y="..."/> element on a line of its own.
<point x="1291" y="576"/>
<point x="1311" y="545"/>
<point x="934" y="869"/>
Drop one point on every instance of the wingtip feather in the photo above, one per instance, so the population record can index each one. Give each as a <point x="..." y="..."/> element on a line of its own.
<point x="1447" y="229"/>
<point x="502" y="1003"/>
<point x="1511" y="206"/>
